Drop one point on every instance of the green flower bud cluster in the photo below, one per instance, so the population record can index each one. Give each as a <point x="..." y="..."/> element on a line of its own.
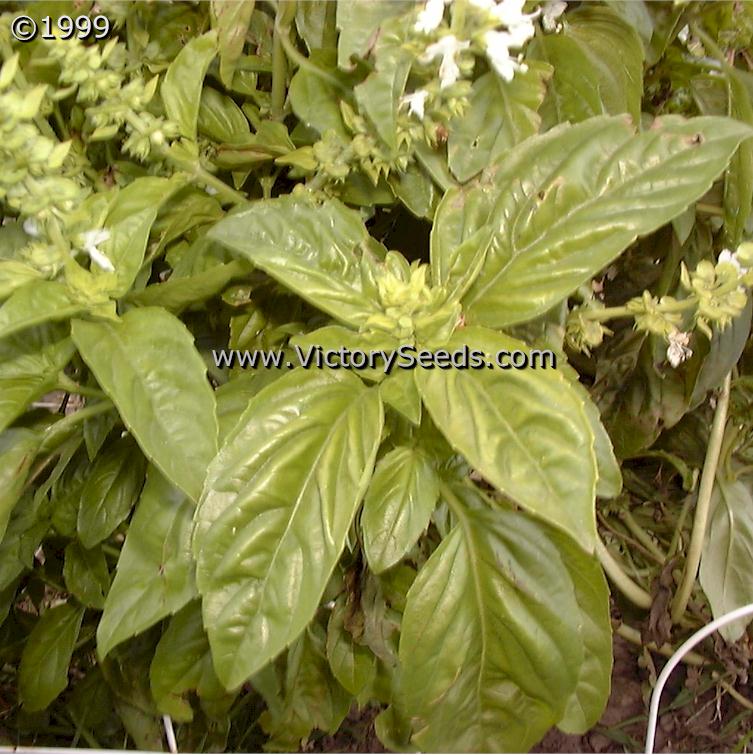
<point x="100" y="80"/>
<point x="654" y="315"/>
<point x="719" y="291"/>
<point x="717" y="294"/>
<point x="370" y="152"/>
<point x="32" y="180"/>
<point x="411" y="308"/>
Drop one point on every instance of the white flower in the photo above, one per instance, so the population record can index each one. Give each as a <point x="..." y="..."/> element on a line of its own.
<point x="678" y="351"/>
<point x="448" y="47"/>
<point x="551" y="11"/>
<point x="31" y="228"/>
<point x="519" y="25"/>
<point x="727" y="256"/>
<point x="90" y="241"/>
<point x="498" y="45"/>
<point x="430" y="17"/>
<point x="416" y="102"/>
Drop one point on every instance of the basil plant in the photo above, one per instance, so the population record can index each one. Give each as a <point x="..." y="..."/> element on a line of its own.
<point x="255" y="551"/>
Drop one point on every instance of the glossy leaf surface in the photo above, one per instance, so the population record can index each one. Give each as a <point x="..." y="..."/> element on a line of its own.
<point x="309" y="249"/>
<point x="589" y="190"/>
<point x="397" y="507"/>
<point x="278" y="503"/>
<point x="525" y="431"/>
<point x="167" y="403"/>
<point x="502" y="657"/>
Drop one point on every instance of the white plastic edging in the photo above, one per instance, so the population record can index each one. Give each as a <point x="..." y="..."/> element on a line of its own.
<point x="689" y="644"/>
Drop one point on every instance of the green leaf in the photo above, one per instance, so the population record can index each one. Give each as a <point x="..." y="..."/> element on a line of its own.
<point x="415" y="190"/>
<point x="727" y="557"/>
<point x="500" y="114"/>
<point x="15" y="275"/>
<point x="315" y="100"/>
<point x="221" y="119"/>
<point x="738" y="183"/>
<point x="18" y="447"/>
<point x="359" y="22"/>
<point x="525" y="431"/>
<point x="378" y="97"/>
<point x="34" y="304"/>
<point x="155" y="572"/>
<point x="490" y="632"/>
<point x="43" y="672"/>
<point x="398" y="505"/>
<point x="181" y="87"/>
<point x="352" y="664"/>
<point x="86" y="574"/>
<point x="111" y="489"/>
<point x="399" y="391"/>
<point x="178" y="293"/>
<point x="231" y="20"/>
<point x="586" y="704"/>
<point x="28" y="524"/>
<point x="129" y="222"/>
<point x="609" y="482"/>
<point x="167" y="403"/>
<point x="312" y="697"/>
<point x="309" y="248"/>
<point x="590" y="190"/>
<point x="598" y="67"/>
<point x="29" y="367"/>
<point x="182" y="663"/>
<point x="276" y="509"/>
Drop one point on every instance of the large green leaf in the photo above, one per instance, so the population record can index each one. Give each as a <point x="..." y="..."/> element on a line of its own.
<point x="148" y="365"/>
<point x="29" y="367"/>
<point x="587" y="192"/>
<point x="598" y="67"/>
<point x="310" y="248"/>
<point x="155" y="572"/>
<point x="359" y="22"/>
<point x="525" y="431"/>
<point x="278" y="502"/>
<point x="34" y="304"/>
<point x="490" y="632"/>
<point x="727" y="557"/>
<point x="500" y="114"/>
<point x="398" y="505"/>
<point x="111" y="488"/>
<point x="43" y="671"/>
<point x="182" y="663"/>
<point x="181" y="87"/>
<point x="18" y="447"/>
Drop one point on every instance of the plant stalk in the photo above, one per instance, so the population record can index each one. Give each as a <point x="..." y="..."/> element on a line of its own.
<point x="633" y="592"/>
<point x="700" y="520"/>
